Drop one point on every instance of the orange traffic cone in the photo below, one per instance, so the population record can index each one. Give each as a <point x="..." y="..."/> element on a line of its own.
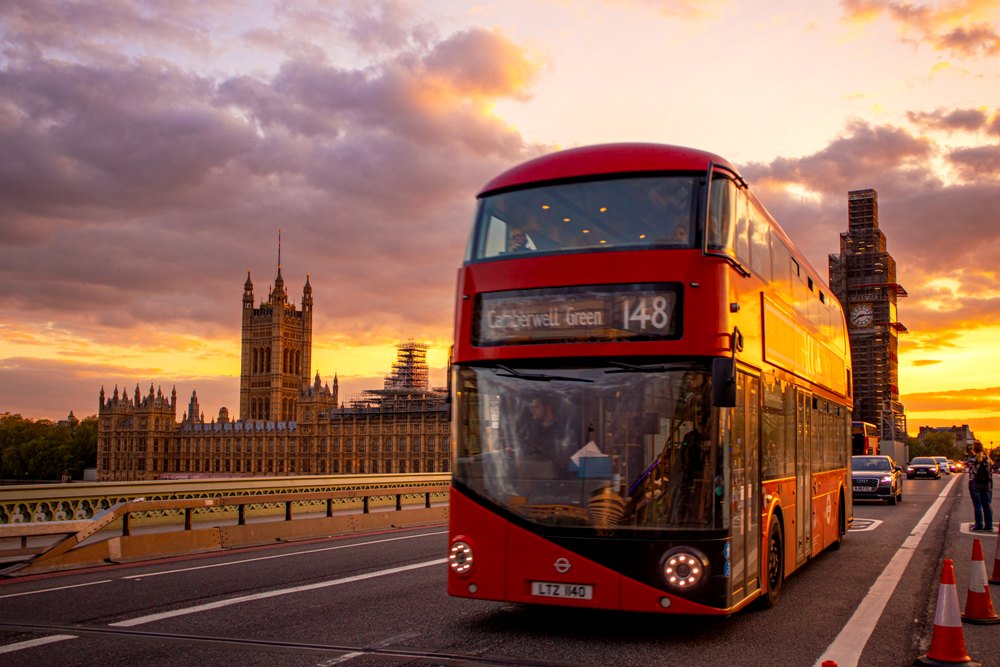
<point x="948" y="641"/>
<point x="979" y="604"/>
<point x="995" y="577"/>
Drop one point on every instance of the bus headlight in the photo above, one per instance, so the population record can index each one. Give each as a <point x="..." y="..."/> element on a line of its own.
<point x="683" y="568"/>
<point x="460" y="558"/>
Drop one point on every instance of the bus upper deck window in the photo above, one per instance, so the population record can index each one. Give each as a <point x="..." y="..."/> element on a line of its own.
<point x="628" y="213"/>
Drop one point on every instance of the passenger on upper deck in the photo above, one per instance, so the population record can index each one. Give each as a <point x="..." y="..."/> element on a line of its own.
<point x="671" y="203"/>
<point x="518" y="240"/>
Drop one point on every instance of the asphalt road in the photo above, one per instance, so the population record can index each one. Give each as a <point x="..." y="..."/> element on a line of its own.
<point x="379" y="599"/>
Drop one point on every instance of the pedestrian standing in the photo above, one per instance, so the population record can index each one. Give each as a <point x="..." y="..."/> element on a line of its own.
<point x="981" y="489"/>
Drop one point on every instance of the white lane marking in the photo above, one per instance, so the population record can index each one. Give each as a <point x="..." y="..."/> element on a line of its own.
<point x="846" y="649"/>
<point x="32" y="643"/>
<point x="141" y="620"/>
<point x="296" y="553"/>
<point x="862" y="525"/>
<point x="49" y="590"/>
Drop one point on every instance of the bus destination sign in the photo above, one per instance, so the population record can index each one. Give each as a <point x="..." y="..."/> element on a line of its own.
<point x="647" y="311"/>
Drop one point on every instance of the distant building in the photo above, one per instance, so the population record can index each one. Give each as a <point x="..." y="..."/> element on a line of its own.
<point x="863" y="277"/>
<point x="964" y="437"/>
<point x="287" y="425"/>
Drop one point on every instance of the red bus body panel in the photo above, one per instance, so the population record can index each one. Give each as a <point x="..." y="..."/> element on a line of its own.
<point x="706" y="320"/>
<point x="509" y="558"/>
<point x="603" y="160"/>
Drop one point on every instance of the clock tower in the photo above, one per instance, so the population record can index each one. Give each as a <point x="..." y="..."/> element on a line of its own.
<point x="863" y="277"/>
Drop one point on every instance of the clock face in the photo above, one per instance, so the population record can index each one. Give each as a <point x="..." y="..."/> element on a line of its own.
<point x="861" y="315"/>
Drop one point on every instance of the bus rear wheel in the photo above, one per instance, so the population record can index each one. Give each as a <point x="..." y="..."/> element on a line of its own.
<point x="775" y="565"/>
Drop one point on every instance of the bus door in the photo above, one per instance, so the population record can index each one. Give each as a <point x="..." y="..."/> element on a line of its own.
<point x="742" y="443"/>
<point x="803" y="478"/>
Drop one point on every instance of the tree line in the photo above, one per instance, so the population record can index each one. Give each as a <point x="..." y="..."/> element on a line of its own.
<point x="43" y="450"/>
<point x="943" y="444"/>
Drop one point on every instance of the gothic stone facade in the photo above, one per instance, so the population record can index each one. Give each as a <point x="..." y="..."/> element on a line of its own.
<point x="286" y="426"/>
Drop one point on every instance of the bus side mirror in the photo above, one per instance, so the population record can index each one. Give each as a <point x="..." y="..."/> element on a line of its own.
<point x="724" y="382"/>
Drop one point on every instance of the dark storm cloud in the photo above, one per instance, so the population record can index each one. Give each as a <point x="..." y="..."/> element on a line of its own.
<point x="145" y="189"/>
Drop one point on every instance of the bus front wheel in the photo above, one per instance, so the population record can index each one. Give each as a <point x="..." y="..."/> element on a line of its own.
<point x="775" y="565"/>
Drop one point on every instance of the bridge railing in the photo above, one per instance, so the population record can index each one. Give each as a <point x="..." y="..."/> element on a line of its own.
<point x="67" y="502"/>
<point x="346" y="503"/>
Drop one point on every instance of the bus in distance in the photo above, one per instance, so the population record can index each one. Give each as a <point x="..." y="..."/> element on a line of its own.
<point x="864" y="439"/>
<point x="651" y="390"/>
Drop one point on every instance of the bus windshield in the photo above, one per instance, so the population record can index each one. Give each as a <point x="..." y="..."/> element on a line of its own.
<point x="617" y="213"/>
<point x="605" y="447"/>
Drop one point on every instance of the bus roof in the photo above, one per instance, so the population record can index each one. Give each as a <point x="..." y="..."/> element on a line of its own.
<point x="606" y="159"/>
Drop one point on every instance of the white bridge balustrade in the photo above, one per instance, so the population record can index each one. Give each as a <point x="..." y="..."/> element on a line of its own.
<point x="59" y="526"/>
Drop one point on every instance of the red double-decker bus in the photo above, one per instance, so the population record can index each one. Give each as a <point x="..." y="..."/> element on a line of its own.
<point x="864" y="438"/>
<point x="651" y="390"/>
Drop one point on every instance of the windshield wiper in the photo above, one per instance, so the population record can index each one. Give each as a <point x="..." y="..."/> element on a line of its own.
<point x="622" y="367"/>
<point x="536" y="377"/>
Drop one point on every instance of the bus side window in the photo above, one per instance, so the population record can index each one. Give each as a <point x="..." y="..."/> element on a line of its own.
<point x="722" y="216"/>
<point x="742" y="241"/>
<point x="760" y="240"/>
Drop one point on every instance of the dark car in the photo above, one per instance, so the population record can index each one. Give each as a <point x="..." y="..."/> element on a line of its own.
<point x="923" y="466"/>
<point x="876" y="478"/>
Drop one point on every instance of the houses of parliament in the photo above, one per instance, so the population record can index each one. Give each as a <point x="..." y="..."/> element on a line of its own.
<point x="289" y="424"/>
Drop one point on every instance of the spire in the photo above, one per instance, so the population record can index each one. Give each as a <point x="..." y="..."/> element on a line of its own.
<point x="193" y="409"/>
<point x="278" y="292"/>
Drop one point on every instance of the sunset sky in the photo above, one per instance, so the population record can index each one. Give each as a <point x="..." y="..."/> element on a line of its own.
<point x="152" y="150"/>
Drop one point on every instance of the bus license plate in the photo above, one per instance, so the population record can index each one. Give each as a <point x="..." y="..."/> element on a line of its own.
<point x="548" y="589"/>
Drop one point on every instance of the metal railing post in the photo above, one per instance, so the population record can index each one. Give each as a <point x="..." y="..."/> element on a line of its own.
<point x="125" y="520"/>
<point x="187" y="519"/>
<point x="241" y="515"/>
<point x="288" y="510"/>
<point x="366" y="505"/>
<point x="399" y="502"/>
<point x="427" y="500"/>
<point x="329" y="507"/>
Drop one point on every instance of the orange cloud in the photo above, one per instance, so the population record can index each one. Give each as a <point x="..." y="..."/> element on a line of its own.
<point x="961" y="27"/>
<point x="481" y="64"/>
<point x="985" y="399"/>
